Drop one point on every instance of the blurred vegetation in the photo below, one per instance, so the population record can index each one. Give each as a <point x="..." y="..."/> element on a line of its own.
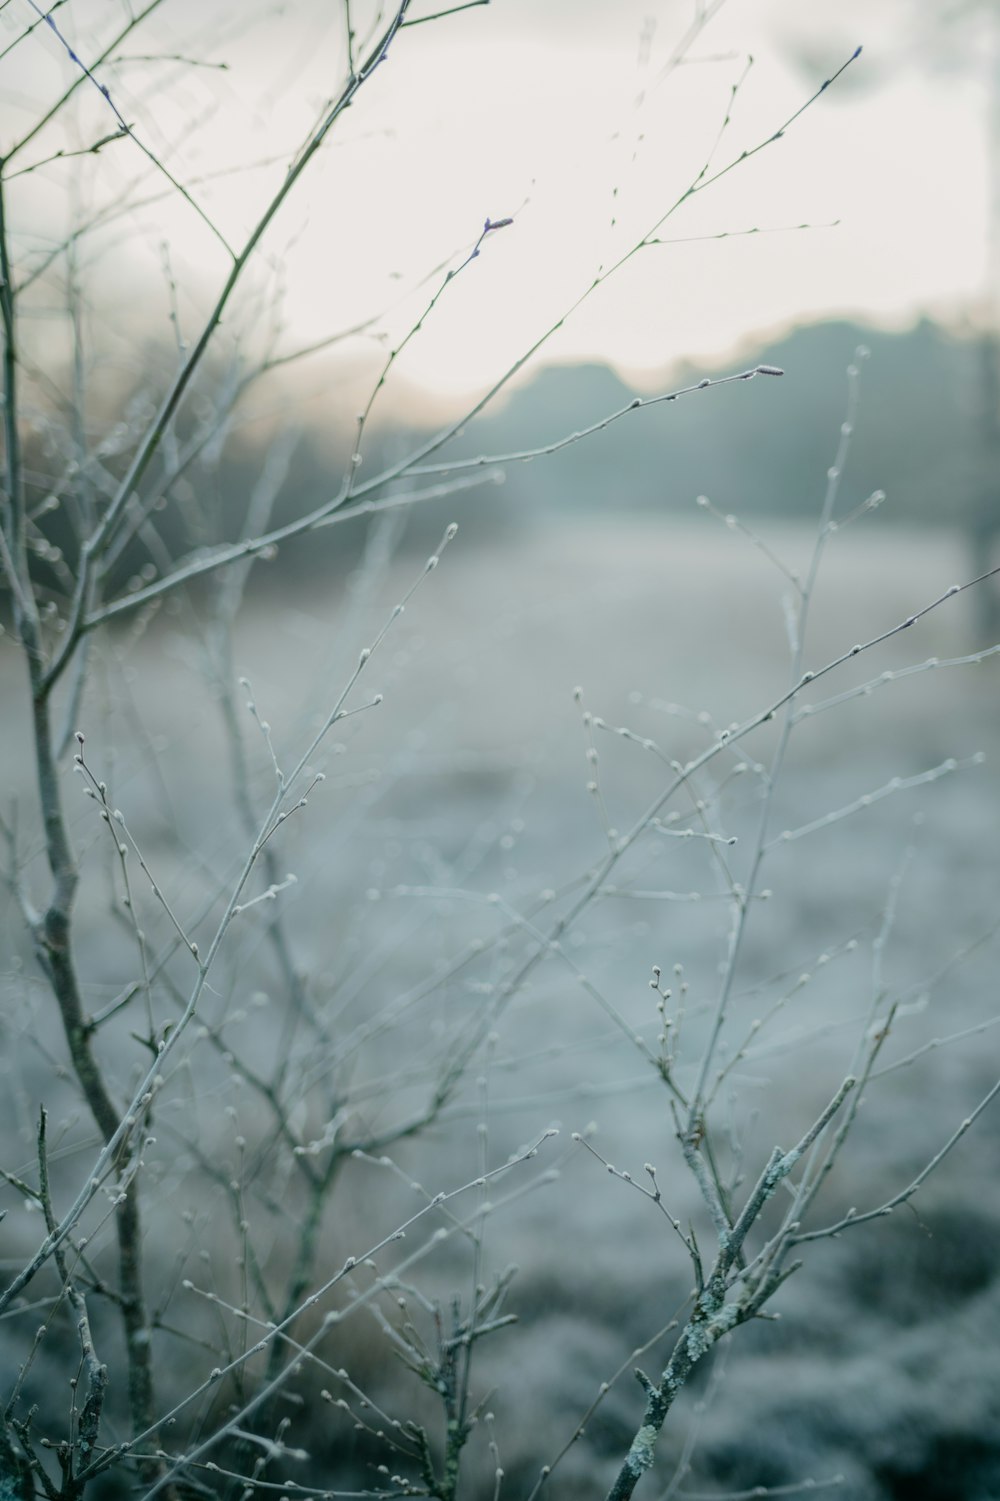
<point x="751" y="450"/>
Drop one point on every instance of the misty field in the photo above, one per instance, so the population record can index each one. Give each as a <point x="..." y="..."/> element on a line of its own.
<point x="457" y="819"/>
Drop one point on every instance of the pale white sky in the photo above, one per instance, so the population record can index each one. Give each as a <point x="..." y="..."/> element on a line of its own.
<point x="553" y="111"/>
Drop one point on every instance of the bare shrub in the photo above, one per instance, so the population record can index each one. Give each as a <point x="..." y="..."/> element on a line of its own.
<point x="291" y="1022"/>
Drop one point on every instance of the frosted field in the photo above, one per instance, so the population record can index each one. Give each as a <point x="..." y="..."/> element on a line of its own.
<point x="456" y="813"/>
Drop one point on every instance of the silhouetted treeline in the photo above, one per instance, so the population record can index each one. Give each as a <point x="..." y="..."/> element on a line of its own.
<point x="759" y="448"/>
<point x="763" y="447"/>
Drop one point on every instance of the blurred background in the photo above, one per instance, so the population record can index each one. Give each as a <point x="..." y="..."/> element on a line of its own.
<point x="874" y="220"/>
<point x="462" y="810"/>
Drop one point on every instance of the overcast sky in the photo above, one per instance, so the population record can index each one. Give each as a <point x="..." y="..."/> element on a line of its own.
<point x="559" y="113"/>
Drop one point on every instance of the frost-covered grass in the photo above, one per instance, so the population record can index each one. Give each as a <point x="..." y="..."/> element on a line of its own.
<point x="451" y="819"/>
